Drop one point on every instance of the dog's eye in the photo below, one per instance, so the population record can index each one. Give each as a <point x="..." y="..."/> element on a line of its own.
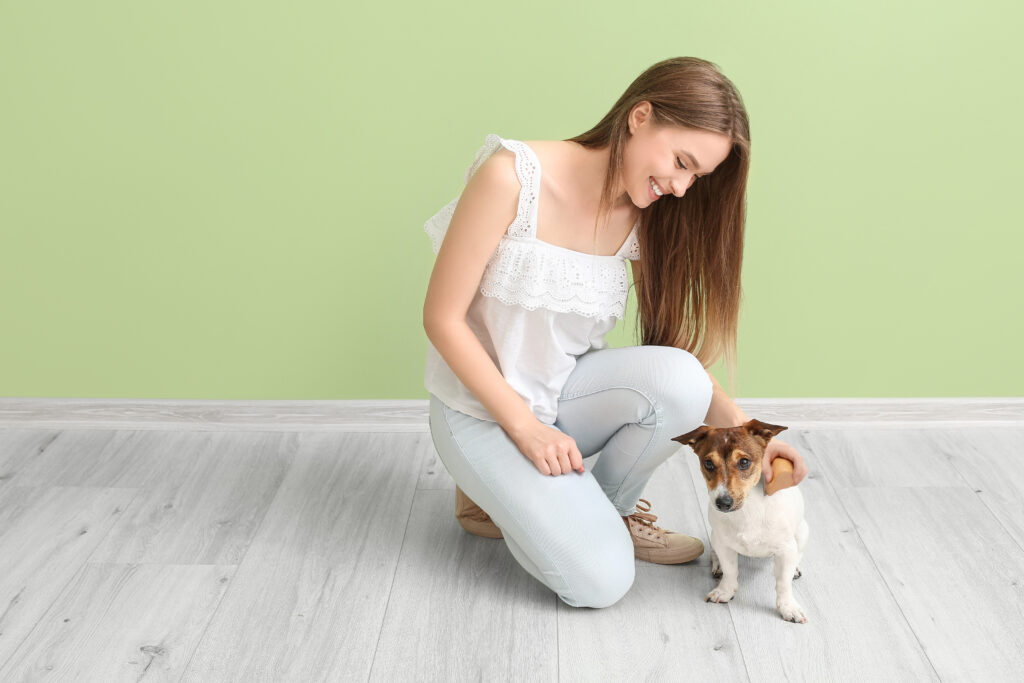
<point x="744" y="463"/>
<point x="708" y="465"/>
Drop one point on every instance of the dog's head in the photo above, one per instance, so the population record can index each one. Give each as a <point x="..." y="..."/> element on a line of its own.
<point x="730" y="459"/>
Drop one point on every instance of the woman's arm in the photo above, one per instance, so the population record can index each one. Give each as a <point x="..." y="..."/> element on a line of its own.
<point x="723" y="411"/>
<point x="486" y="208"/>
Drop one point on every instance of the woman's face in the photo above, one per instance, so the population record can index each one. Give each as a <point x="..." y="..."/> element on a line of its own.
<point x="673" y="156"/>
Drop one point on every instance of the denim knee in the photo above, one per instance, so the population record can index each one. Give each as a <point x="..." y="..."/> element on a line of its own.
<point x="606" y="579"/>
<point x="684" y="389"/>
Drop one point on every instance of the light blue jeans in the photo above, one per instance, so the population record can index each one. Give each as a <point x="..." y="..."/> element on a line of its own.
<point x="567" y="530"/>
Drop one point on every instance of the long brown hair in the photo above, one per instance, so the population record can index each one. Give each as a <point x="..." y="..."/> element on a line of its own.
<point x="691" y="247"/>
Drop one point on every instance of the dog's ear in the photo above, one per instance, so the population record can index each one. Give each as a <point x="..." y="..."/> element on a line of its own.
<point x="762" y="430"/>
<point x="693" y="437"/>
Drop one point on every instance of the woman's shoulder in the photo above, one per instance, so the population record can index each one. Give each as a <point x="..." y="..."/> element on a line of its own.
<point x="555" y="160"/>
<point x="552" y="157"/>
<point x="552" y="154"/>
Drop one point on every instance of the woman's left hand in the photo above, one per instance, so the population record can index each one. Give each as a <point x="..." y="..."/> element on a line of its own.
<point x="781" y="449"/>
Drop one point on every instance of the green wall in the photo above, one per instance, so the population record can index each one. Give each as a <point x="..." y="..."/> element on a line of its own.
<point x="225" y="200"/>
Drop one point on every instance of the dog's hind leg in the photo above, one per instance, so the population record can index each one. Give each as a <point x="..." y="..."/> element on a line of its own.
<point x="785" y="564"/>
<point x="801" y="540"/>
<point x="716" y="567"/>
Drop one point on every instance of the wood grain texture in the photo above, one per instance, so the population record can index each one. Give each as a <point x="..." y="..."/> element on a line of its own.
<point x="333" y="554"/>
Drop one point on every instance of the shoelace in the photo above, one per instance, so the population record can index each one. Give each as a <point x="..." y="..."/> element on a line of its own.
<point x="646" y="518"/>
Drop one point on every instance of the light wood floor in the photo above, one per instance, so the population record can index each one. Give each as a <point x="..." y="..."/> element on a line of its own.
<point x="315" y="541"/>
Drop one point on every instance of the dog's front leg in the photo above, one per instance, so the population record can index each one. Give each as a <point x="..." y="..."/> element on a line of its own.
<point x="728" y="561"/>
<point x="785" y="564"/>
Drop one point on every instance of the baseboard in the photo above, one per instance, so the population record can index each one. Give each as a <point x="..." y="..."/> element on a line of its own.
<point x="411" y="415"/>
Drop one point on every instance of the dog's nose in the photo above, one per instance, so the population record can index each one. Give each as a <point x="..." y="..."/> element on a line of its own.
<point x="723" y="503"/>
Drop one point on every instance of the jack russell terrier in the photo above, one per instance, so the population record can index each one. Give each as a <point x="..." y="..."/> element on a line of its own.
<point x="743" y="517"/>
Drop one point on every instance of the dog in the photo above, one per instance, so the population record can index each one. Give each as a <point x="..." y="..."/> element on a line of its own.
<point x="743" y="519"/>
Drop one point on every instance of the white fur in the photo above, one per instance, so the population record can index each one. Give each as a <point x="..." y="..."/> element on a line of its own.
<point x="765" y="525"/>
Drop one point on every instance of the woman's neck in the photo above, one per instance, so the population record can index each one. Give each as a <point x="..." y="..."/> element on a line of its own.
<point x="588" y="168"/>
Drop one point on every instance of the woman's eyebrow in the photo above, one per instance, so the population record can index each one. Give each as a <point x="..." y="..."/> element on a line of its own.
<point x="693" y="160"/>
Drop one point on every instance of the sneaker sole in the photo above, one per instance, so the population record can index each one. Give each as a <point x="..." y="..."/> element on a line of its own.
<point x="664" y="556"/>
<point x="485" y="530"/>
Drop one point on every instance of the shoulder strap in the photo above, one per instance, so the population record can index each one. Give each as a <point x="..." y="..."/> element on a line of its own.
<point x="630" y="249"/>
<point x="528" y="173"/>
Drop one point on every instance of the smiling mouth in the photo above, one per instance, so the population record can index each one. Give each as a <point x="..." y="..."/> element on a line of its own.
<point x="655" y="188"/>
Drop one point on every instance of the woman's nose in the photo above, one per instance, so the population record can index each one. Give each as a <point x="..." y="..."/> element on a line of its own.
<point x="678" y="188"/>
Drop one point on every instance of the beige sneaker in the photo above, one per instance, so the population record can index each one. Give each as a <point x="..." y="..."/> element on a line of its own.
<point x="661" y="546"/>
<point x="473" y="518"/>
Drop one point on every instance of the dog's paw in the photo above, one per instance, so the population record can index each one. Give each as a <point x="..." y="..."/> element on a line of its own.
<point x="798" y="573"/>
<point x="720" y="594"/>
<point x="791" y="611"/>
<point x="716" y="567"/>
<point x="716" y="572"/>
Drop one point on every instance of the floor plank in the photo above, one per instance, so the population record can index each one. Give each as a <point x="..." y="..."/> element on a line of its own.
<point x="334" y="555"/>
<point x="953" y="571"/>
<point x="476" y="615"/>
<point x="308" y="599"/>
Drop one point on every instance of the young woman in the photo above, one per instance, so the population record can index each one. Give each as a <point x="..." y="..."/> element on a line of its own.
<point x="531" y="275"/>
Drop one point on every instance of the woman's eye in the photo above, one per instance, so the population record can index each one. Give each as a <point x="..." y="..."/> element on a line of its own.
<point x="680" y="162"/>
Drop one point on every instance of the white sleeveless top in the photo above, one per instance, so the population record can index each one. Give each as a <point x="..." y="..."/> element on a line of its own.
<point x="539" y="305"/>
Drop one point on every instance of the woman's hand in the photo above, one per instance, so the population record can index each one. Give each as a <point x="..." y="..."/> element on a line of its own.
<point x="550" y="450"/>
<point x="781" y="449"/>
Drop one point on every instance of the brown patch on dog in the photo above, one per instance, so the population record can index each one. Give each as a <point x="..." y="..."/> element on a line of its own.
<point x="711" y="466"/>
<point x="724" y="448"/>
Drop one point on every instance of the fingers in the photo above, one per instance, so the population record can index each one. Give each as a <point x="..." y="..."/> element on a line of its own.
<point x="576" y="460"/>
<point x="564" y="458"/>
<point x="555" y="461"/>
<point x="563" y="462"/>
<point x="800" y="469"/>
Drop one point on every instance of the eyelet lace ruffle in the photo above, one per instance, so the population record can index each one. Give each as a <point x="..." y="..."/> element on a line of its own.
<point x="534" y="274"/>
<point x="437" y="225"/>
